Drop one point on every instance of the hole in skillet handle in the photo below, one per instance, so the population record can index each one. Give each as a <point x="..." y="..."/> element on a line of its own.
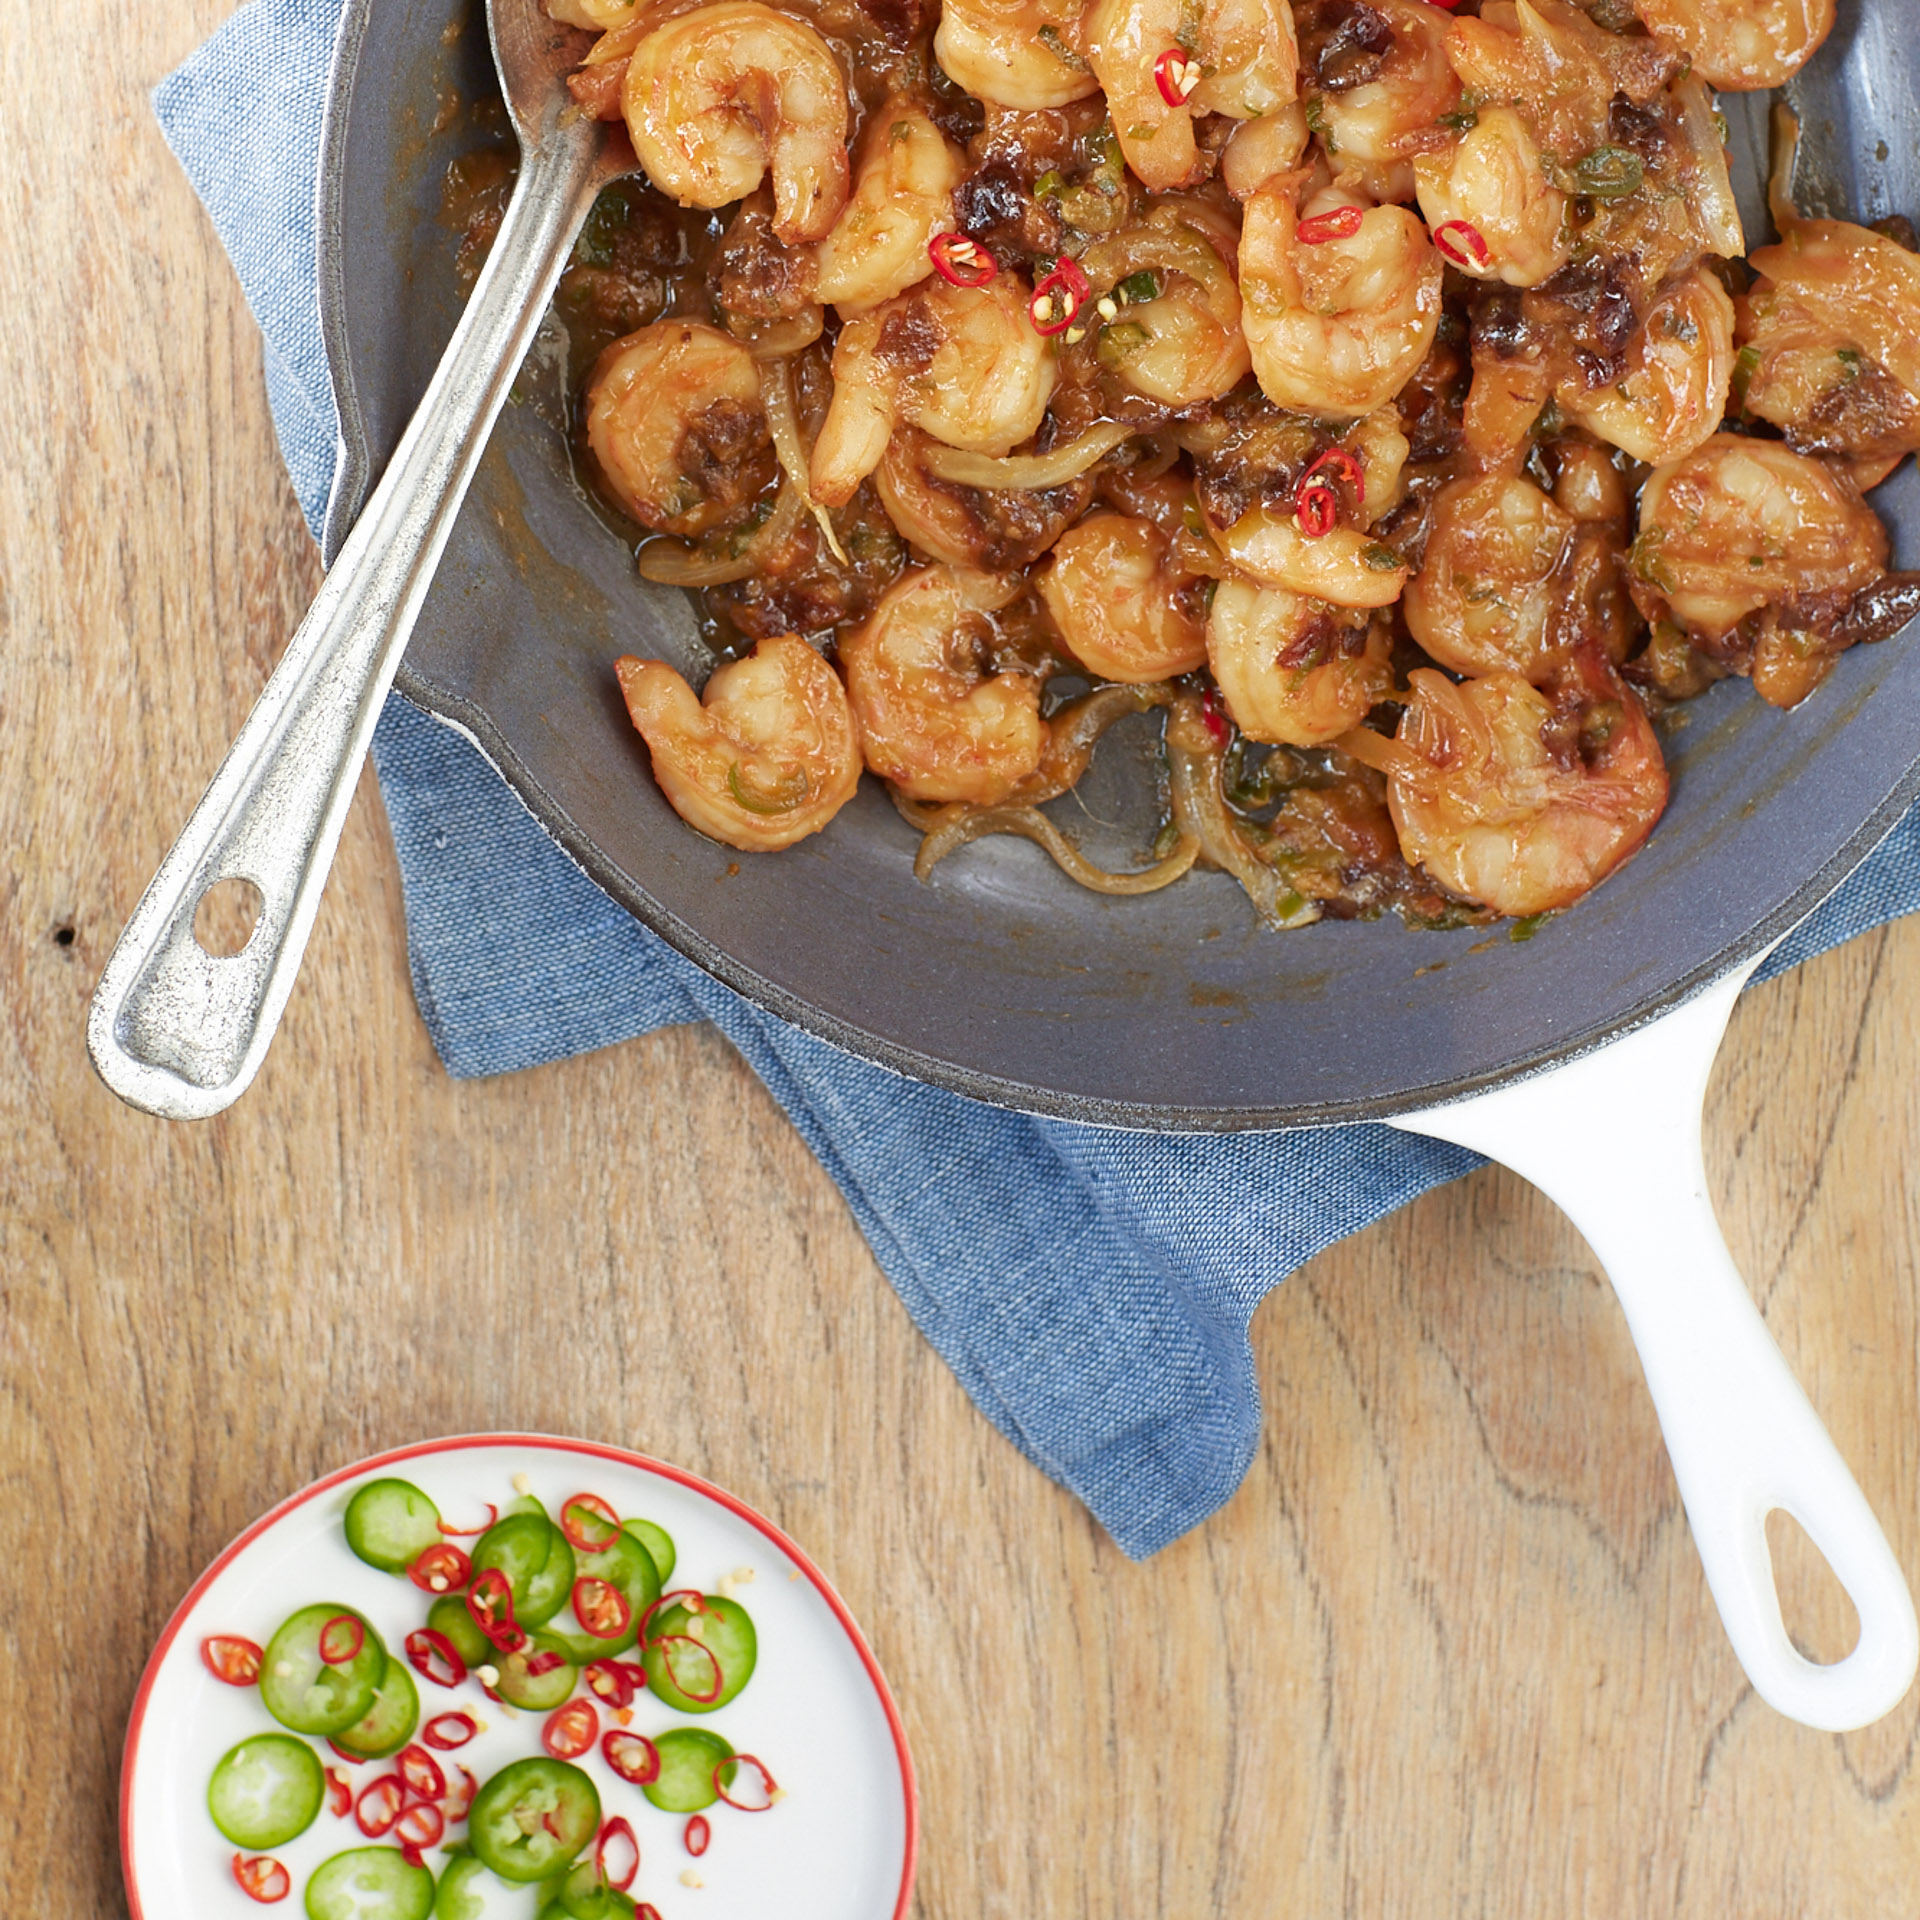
<point x="227" y="917"/>
<point x="1820" y="1616"/>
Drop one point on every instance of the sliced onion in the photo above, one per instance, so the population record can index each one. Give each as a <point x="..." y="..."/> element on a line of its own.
<point x="1194" y="758"/>
<point x="1714" y="207"/>
<point x="1025" y="472"/>
<point x="957" y="825"/>
<point x="783" y="422"/>
<point x="671" y="564"/>
<point x="1074" y="732"/>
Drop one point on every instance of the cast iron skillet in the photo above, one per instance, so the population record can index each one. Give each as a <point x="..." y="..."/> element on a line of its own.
<point x="1005" y="980"/>
<point x="1002" y="979"/>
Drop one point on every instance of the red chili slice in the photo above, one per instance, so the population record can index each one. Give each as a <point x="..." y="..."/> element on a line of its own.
<point x="441" y="1569"/>
<point x="1316" y="510"/>
<point x="1215" y="719"/>
<point x="632" y="1756"/>
<point x="1469" y="251"/>
<point x="961" y="262"/>
<point x="570" y="1730"/>
<point x="420" y="1826"/>
<point x="601" y="1607"/>
<point x="719" y="1679"/>
<point x="421" y="1771"/>
<point x="341" y="1640"/>
<point x="230" y="1658"/>
<point x="1339" y="460"/>
<point x="612" y="1680"/>
<point x="544" y="1662"/>
<point x="490" y="1602"/>
<point x="380" y="1804"/>
<point x="339" y="1793"/>
<point x="461" y="1798"/>
<point x="768" y="1785"/>
<point x="1176" y="74"/>
<point x="262" y="1879"/>
<point x="618" y="1854"/>
<point x="1341" y="224"/>
<point x="434" y="1657"/>
<point x="413" y="1856"/>
<point x="1071" y="285"/>
<point x="689" y="1597"/>
<point x="352" y="1759"/>
<point x="446" y="1731"/>
<point x="462" y="1533"/>
<point x="595" y="1509"/>
<point x="646" y="1910"/>
<point x="699" y="1835"/>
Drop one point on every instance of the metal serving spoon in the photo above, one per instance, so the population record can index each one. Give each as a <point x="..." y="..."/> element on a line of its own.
<point x="172" y="1028"/>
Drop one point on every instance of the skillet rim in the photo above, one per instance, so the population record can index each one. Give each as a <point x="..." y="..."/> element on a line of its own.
<point x="353" y="478"/>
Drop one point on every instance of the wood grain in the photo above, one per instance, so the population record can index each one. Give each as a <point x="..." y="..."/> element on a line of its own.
<point x="1447" y="1653"/>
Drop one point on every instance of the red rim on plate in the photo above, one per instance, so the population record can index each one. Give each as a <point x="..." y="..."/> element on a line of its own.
<point x="556" y="1444"/>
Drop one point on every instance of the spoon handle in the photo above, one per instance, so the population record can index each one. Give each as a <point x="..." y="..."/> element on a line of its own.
<point x="172" y="1028"/>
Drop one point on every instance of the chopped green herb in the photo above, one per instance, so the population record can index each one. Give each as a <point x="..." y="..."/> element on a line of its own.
<point x="1118" y="341"/>
<point x="1644" y="557"/>
<point x="1851" y="362"/>
<point x="1527" y="928"/>
<point x="1609" y="173"/>
<point x="1382" y="558"/>
<point x="790" y="793"/>
<point x="1049" y="37"/>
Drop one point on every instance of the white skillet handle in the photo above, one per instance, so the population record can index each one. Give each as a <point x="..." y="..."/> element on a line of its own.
<point x="1614" y="1138"/>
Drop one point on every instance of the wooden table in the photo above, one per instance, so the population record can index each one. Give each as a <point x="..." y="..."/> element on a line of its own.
<point x="1448" y="1651"/>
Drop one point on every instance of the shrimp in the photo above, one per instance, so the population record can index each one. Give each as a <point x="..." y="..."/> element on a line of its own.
<point x="1294" y="671"/>
<point x="720" y="97"/>
<point x="1335" y="328"/>
<point x="994" y="527"/>
<point x="1182" y="345"/>
<point x="1383" y="82"/>
<point x="1831" y="340"/>
<point x="767" y="756"/>
<point x="964" y="364"/>
<point x="1741" y="46"/>
<point x="1258" y="150"/>
<point x="1768" y="559"/>
<point x="1558" y="66"/>
<point x="1741" y="523"/>
<point x="1014" y="53"/>
<point x="1124" y="607"/>
<point x="1241" y="60"/>
<point x="676" y="423"/>
<point x="933" y="719"/>
<point x="1513" y="580"/>
<point x="902" y="198"/>
<point x="1673" y="392"/>
<point x="1344" y="566"/>
<point x="1589" y="486"/>
<point x="1520" y="798"/>
<point x="1494" y="183"/>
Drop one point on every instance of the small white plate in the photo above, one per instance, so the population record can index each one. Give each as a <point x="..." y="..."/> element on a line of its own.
<point x="839" y="1846"/>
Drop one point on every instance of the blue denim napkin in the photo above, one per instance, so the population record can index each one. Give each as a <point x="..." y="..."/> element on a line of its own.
<point x="1092" y="1289"/>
